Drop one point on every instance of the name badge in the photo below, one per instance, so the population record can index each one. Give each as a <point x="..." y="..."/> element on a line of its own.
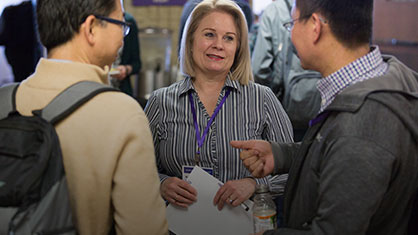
<point x="186" y="170"/>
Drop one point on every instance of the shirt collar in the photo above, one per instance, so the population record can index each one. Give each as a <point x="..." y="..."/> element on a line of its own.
<point x="368" y="66"/>
<point x="186" y="85"/>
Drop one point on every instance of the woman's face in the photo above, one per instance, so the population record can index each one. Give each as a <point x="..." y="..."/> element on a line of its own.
<point x="215" y="43"/>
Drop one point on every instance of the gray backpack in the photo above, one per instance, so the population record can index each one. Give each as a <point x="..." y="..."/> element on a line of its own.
<point x="33" y="188"/>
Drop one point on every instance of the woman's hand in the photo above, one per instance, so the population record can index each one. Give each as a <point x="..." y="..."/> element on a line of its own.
<point x="234" y="192"/>
<point x="178" y="192"/>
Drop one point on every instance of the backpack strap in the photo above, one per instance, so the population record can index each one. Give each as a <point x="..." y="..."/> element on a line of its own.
<point x="70" y="99"/>
<point x="8" y="99"/>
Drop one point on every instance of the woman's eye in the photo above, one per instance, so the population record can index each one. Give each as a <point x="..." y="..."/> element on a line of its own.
<point x="209" y="34"/>
<point x="229" y="38"/>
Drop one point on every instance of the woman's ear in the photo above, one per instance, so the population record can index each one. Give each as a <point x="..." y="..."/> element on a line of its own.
<point x="88" y="29"/>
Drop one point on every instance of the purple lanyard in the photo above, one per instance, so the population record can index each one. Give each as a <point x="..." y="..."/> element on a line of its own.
<point x="318" y="118"/>
<point x="200" y="140"/>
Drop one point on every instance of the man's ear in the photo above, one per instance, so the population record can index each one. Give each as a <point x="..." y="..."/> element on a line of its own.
<point x="317" y="27"/>
<point x="88" y="29"/>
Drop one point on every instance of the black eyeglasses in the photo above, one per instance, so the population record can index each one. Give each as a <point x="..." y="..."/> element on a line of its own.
<point x="126" y="26"/>
<point x="289" y="25"/>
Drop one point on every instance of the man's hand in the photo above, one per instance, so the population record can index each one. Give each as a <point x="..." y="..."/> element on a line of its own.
<point x="257" y="156"/>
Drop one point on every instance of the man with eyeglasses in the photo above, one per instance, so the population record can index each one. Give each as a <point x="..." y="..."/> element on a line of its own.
<point x="106" y="144"/>
<point x="356" y="170"/>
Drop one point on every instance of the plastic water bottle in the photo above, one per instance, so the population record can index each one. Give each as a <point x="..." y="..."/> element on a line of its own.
<point x="264" y="210"/>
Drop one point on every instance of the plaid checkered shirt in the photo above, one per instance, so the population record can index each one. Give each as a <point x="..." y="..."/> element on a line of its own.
<point x="369" y="66"/>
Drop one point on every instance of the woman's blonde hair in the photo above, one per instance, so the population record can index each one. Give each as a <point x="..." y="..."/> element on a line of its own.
<point x="241" y="68"/>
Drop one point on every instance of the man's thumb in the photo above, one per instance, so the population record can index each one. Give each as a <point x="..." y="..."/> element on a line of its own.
<point x="241" y="144"/>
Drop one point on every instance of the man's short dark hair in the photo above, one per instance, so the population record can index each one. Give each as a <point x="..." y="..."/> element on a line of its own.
<point x="60" y="20"/>
<point x="350" y="21"/>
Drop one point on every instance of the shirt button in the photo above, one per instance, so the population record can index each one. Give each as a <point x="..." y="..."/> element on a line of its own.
<point x="323" y="102"/>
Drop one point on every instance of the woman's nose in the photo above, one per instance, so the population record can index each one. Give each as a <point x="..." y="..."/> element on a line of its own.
<point x="218" y="43"/>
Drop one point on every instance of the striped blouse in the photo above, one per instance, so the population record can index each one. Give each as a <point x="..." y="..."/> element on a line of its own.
<point x="249" y="112"/>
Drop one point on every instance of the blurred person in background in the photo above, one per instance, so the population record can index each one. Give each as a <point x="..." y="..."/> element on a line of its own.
<point x="19" y="37"/>
<point x="129" y="58"/>
<point x="276" y="65"/>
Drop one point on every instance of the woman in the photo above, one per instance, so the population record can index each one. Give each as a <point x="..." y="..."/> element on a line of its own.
<point x="193" y="120"/>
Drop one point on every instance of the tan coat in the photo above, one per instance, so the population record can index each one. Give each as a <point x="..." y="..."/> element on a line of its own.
<point x="107" y="149"/>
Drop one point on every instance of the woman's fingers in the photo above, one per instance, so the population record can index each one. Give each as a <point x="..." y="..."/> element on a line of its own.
<point x="178" y="192"/>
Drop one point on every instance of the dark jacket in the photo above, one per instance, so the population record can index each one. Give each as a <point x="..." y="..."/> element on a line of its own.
<point x="356" y="170"/>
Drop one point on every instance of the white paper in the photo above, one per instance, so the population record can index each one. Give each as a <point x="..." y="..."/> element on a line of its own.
<point x="202" y="217"/>
<point x="114" y="72"/>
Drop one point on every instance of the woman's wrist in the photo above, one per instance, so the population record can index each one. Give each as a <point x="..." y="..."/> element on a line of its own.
<point x="251" y="181"/>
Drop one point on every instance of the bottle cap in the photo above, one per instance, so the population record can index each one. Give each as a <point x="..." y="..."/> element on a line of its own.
<point x="261" y="188"/>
